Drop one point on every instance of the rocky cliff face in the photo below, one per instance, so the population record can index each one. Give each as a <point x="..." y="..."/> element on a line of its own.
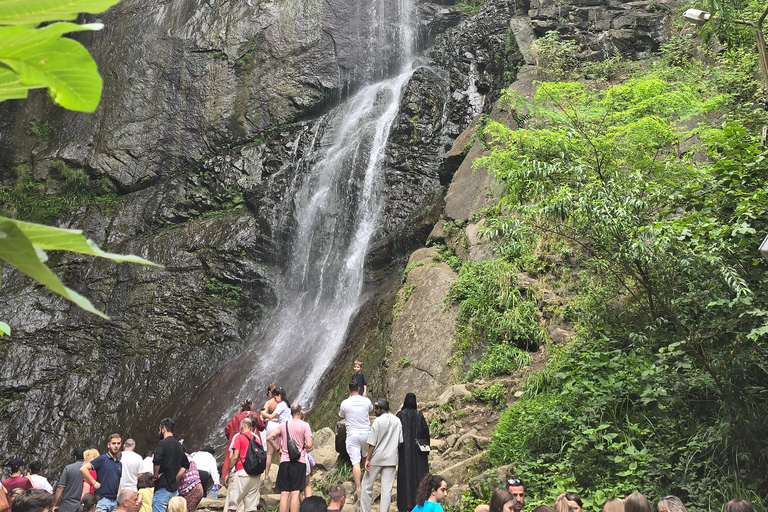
<point x="208" y="107"/>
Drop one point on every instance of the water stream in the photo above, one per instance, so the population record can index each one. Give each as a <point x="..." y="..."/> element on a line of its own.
<point x="336" y="209"/>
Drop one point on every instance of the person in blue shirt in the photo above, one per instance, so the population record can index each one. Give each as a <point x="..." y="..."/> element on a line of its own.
<point x="108" y="469"/>
<point x="431" y="493"/>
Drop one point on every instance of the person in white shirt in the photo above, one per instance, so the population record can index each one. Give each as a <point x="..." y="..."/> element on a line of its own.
<point x="40" y="482"/>
<point x="147" y="466"/>
<point x="206" y="466"/>
<point x="356" y="410"/>
<point x="131" y="466"/>
<point x="386" y="436"/>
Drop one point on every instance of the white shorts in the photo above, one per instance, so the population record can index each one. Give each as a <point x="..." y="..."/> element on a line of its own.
<point x="357" y="445"/>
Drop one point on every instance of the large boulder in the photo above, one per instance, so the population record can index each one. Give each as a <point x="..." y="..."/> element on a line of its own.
<point x="422" y="331"/>
<point x="324" y="448"/>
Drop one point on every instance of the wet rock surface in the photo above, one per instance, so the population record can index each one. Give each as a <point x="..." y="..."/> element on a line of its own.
<point x="207" y="112"/>
<point x="633" y="29"/>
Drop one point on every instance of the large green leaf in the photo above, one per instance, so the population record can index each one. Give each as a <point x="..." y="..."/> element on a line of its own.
<point x="22" y="245"/>
<point x="10" y="87"/>
<point x="42" y="58"/>
<point x="49" y="238"/>
<point x="31" y="13"/>
<point x="5" y="329"/>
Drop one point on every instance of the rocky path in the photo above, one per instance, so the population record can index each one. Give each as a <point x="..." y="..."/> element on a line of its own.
<point x="461" y="432"/>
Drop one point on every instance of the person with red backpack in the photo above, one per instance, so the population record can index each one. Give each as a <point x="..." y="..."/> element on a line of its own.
<point x="248" y="459"/>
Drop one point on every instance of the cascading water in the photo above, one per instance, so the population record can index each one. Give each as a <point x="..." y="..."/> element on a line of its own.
<point x="336" y="209"/>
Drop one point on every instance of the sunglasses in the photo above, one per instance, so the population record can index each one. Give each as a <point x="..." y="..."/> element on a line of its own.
<point x="514" y="482"/>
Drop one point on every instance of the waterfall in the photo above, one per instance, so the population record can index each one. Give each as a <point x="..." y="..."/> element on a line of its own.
<point x="338" y="200"/>
<point x="337" y="208"/>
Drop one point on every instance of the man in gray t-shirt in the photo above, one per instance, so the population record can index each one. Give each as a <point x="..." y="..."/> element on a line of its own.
<point x="70" y="486"/>
<point x="383" y="441"/>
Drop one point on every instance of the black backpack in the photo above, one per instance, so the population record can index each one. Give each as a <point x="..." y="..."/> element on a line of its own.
<point x="293" y="452"/>
<point x="255" y="461"/>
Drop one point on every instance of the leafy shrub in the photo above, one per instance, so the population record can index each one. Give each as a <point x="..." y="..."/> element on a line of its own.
<point x="66" y="187"/>
<point x="492" y="309"/>
<point x="446" y="256"/>
<point x="470" y="7"/>
<point x="494" y="394"/>
<point x="340" y="473"/>
<point x="556" y="57"/>
<point x="499" y="360"/>
<point x="664" y="390"/>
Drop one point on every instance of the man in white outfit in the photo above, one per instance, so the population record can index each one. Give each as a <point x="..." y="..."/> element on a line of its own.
<point x="131" y="466"/>
<point x="383" y="442"/>
<point x="355" y="410"/>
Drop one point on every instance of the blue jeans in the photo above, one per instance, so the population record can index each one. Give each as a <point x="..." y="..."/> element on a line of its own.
<point x="161" y="498"/>
<point x="105" y="505"/>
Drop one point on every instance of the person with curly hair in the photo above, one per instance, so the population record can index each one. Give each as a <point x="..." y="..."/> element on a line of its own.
<point x="431" y="493"/>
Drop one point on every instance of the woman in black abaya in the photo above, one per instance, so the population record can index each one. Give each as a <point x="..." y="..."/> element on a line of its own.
<point x="413" y="463"/>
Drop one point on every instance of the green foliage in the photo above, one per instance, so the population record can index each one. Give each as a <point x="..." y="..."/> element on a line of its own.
<point x="606" y="69"/>
<point x="494" y="395"/>
<point x="665" y="388"/>
<point x="32" y="57"/>
<point x="402" y="297"/>
<point x="65" y="188"/>
<point x="500" y="359"/>
<point x="24" y="245"/>
<point x="403" y="363"/>
<point x="556" y="57"/>
<point x="469" y="7"/>
<point x="446" y="256"/>
<point x="410" y="267"/>
<point x="228" y="293"/>
<point x="437" y="428"/>
<point x="340" y="473"/>
<point x="41" y="131"/>
<point x="493" y="311"/>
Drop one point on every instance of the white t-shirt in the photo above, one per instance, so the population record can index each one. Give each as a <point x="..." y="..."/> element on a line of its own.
<point x="355" y="410"/>
<point x="147" y="466"/>
<point x="41" y="482"/>
<point x="206" y="462"/>
<point x="283" y="412"/>
<point x="132" y="462"/>
<point x="386" y="435"/>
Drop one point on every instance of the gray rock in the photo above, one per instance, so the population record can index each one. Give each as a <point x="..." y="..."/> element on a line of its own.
<point x="324" y="448"/>
<point x="453" y="394"/>
<point x="422" y="335"/>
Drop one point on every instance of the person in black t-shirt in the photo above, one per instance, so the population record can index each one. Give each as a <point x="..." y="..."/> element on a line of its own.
<point x="359" y="378"/>
<point x="170" y="464"/>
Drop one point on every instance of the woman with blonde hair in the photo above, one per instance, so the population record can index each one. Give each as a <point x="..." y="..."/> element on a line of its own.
<point x="616" y="505"/>
<point x="670" y="504"/>
<point x="88" y="456"/>
<point x="177" y="504"/>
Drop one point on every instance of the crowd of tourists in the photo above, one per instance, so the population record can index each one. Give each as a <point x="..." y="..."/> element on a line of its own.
<point x="169" y="479"/>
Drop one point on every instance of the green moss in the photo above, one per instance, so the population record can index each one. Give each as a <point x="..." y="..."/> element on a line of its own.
<point x="402" y="297"/>
<point x="470" y="7"/>
<point x="66" y="188"/>
<point x="410" y="267"/>
<point x="228" y="293"/>
<point x="41" y="131"/>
